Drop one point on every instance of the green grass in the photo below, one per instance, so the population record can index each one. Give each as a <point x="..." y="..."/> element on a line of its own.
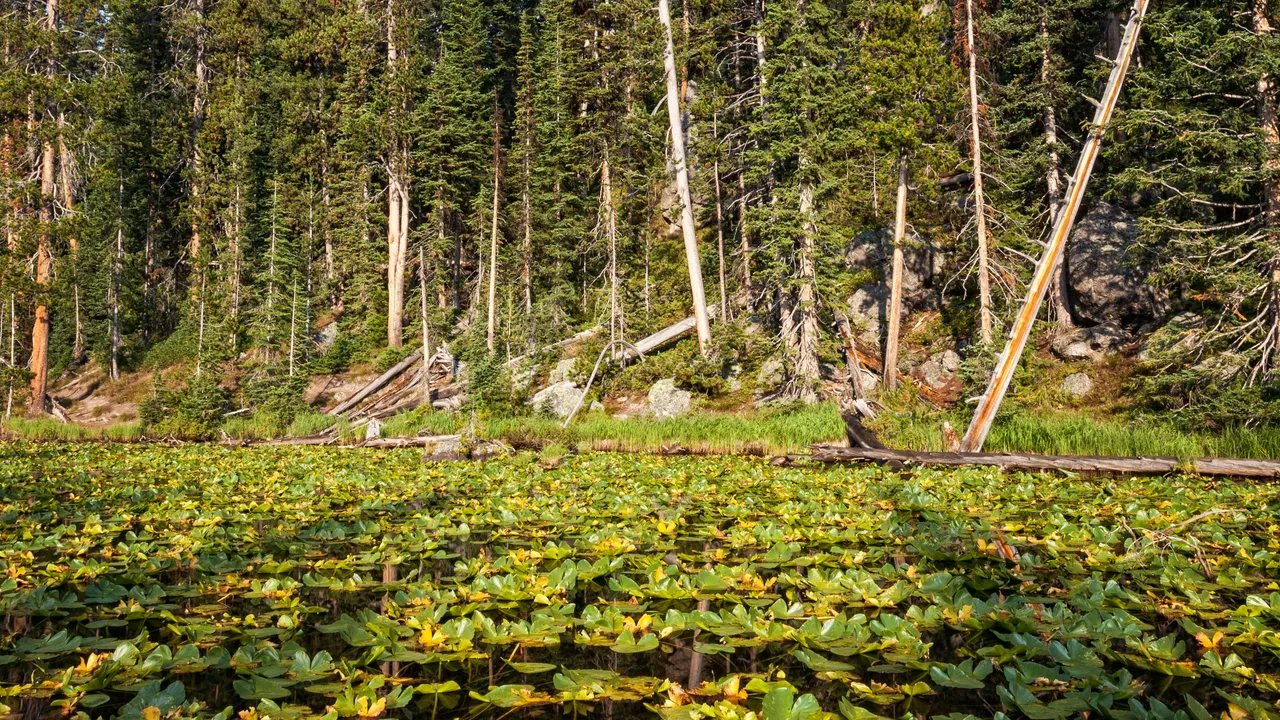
<point x="760" y="432"/>
<point x="48" y="429"/>
<point x="1060" y="433"/>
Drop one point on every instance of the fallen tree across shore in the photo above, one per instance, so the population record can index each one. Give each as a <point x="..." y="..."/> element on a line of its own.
<point x="1210" y="467"/>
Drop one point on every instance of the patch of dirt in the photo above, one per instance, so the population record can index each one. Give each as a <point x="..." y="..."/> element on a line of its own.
<point x="91" y="398"/>
<point x="325" y="391"/>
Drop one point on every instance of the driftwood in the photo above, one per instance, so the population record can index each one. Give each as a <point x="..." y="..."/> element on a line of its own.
<point x="377" y="383"/>
<point x="1216" y="467"/>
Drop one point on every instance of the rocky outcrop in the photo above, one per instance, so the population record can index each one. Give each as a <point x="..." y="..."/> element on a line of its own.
<point x="666" y="400"/>
<point x="558" y="399"/>
<point x="872" y="251"/>
<point x="1090" y="343"/>
<point x="563" y="371"/>
<point x="940" y="370"/>
<point x="1106" y="270"/>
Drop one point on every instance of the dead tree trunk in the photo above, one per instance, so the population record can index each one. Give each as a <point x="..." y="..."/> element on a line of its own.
<point x="692" y="258"/>
<point x="1008" y="361"/>
<point x="1269" y="120"/>
<point x="975" y="116"/>
<point x="608" y="213"/>
<point x="427" y="351"/>
<point x="44" y="253"/>
<point x="199" y="102"/>
<point x="807" y="373"/>
<point x="117" y="278"/>
<point x="491" y="325"/>
<point x="715" y="172"/>
<point x="397" y="199"/>
<point x="895" y="280"/>
<point x="1060" y="299"/>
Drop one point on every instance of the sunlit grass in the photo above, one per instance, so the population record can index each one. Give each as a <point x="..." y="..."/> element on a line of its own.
<point x="49" y="429"/>
<point x="1048" y="433"/>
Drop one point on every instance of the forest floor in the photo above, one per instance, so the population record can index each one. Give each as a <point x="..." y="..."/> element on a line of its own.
<point x="1042" y="422"/>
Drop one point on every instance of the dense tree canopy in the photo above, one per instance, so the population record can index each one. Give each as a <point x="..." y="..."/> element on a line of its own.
<point x="213" y="181"/>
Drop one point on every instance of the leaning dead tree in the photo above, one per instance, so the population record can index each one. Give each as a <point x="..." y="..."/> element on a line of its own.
<point x="678" y="160"/>
<point x="1040" y="281"/>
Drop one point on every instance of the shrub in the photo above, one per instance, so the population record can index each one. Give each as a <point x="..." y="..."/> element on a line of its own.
<point x="273" y="391"/>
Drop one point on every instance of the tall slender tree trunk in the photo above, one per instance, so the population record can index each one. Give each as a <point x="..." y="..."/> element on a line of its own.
<point x="427" y="350"/>
<point x="807" y="373"/>
<point x="895" y="280"/>
<point x="715" y="173"/>
<point x="199" y="102"/>
<point x="66" y="174"/>
<point x="1007" y="362"/>
<point x="491" y="324"/>
<point x="117" y="272"/>
<point x="692" y="258"/>
<point x="526" y="220"/>
<point x="609" y="213"/>
<point x="397" y="199"/>
<point x="1059" y="297"/>
<point x="975" y="129"/>
<point x="1269" y="121"/>
<point x="13" y="351"/>
<point x="44" y="253"/>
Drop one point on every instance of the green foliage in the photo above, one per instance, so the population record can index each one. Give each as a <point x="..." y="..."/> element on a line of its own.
<point x="574" y="575"/>
<point x="193" y="411"/>
<point x="489" y="387"/>
<point x="691" y="370"/>
<point x="273" y="391"/>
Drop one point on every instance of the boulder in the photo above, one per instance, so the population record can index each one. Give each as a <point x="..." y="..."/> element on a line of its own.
<point x="1077" y="385"/>
<point x="373" y="429"/>
<point x="1091" y="343"/>
<point x="666" y="400"/>
<point x="1106" y="270"/>
<point x="773" y="372"/>
<point x="873" y="250"/>
<point x="939" y="370"/>
<point x="558" y="399"/>
<point x="867" y="309"/>
<point x="562" y="372"/>
<point x="325" y="338"/>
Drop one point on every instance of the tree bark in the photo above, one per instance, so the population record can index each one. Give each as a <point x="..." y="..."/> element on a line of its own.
<point x="895" y="280"/>
<point x="427" y="351"/>
<point x="807" y="374"/>
<point x="199" y="102"/>
<point x="117" y="273"/>
<point x="1060" y="298"/>
<point x="611" y="236"/>
<point x="44" y="254"/>
<point x="1007" y="363"/>
<point x="1269" y="121"/>
<point x="397" y="200"/>
<point x="692" y="258"/>
<point x="984" y="263"/>
<point x="715" y="173"/>
<point x="491" y="325"/>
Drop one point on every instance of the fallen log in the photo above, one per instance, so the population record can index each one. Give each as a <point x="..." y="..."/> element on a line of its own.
<point x="422" y="441"/>
<point x="579" y="337"/>
<point x="1214" y="467"/>
<point x="314" y="440"/>
<point x="377" y="383"/>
